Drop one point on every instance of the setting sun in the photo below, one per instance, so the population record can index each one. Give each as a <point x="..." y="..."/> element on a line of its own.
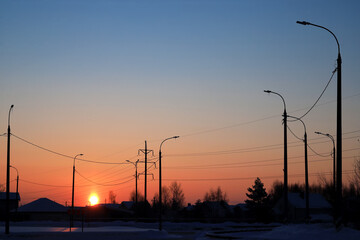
<point x="93" y="200"/>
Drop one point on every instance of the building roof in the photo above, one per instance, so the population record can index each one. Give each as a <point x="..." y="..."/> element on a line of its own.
<point x="316" y="200"/>
<point x="42" y="205"/>
<point x="13" y="196"/>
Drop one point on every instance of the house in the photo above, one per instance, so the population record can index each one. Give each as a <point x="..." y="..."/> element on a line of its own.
<point x="319" y="207"/>
<point x="43" y="209"/>
<point x="127" y="204"/>
<point x="14" y="202"/>
<point x="106" y="212"/>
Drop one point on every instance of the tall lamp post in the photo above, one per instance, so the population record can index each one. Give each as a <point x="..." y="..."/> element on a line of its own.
<point x="136" y="177"/>
<point x="334" y="158"/>
<point x="160" y="197"/>
<point x="338" y="211"/>
<point x="17" y="182"/>
<point x="72" y="195"/>
<point x="307" y="213"/>
<point x="7" y="223"/>
<point x="285" y="157"/>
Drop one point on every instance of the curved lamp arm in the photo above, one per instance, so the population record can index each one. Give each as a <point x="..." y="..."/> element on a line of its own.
<point x="311" y="24"/>
<point x="268" y="91"/>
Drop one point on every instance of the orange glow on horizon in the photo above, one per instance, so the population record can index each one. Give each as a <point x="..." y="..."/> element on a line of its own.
<point x="93" y="199"/>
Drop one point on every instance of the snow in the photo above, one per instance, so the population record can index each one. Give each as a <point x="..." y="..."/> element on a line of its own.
<point x="191" y="230"/>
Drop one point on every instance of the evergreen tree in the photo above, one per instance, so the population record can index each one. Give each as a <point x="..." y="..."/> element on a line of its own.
<point x="258" y="202"/>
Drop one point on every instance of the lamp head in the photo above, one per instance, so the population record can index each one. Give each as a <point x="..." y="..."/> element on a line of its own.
<point x="318" y="132"/>
<point x="127" y="160"/>
<point x="267" y="91"/>
<point x="12" y="106"/>
<point x="302" y="22"/>
<point x="176" y="136"/>
<point x="81" y="154"/>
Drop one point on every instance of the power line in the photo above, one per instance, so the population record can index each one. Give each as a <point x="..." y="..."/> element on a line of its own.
<point x="332" y="75"/>
<point x="89" y="180"/>
<point x="321" y="155"/>
<point x="260" y="119"/>
<point x="246" y="150"/>
<point x="64" y="155"/>
<point x="246" y="178"/>
<point x="250" y="164"/>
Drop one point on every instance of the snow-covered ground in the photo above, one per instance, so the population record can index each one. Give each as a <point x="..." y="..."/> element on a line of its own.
<point x="199" y="231"/>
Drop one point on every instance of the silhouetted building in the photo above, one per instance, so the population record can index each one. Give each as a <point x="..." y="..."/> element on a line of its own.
<point x="14" y="202"/>
<point x="319" y="208"/>
<point x="43" y="209"/>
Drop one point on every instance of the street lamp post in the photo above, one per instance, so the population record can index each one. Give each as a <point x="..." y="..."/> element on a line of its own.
<point x="72" y="195"/>
<point x="17" y="181"/>
<point x="334" y="157"/>
<point x="160" y="197"/>
<point x="7" y="214"/>
<point x="285" y="157"/>
<point x="307" y="212"/>
<point x="338" y="211"/>
<point x="136" y="177"/>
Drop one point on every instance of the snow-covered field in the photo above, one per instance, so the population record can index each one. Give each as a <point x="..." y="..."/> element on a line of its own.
<point x="199" y="231"/>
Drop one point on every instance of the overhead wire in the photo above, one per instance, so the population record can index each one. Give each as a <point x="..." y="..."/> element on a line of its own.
<point x="332" y="75"/>
<point x="89" y="180"/>
<point x="247" y="178"/>
<point x="64" y="155"/>
<point x="247" y="150"/>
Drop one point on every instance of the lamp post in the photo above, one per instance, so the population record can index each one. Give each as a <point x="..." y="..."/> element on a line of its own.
<point x="338" y="210"/>
<point x="17" y="181"/>
<point x="136" y="177"/>
<point x="334" y="158"/>
<point x="7" y="214"/>
<point x="160" y="197"/>
<point x="285" y="157"/>
<point x="72" y="195"/>
<point x="307" y="213"/>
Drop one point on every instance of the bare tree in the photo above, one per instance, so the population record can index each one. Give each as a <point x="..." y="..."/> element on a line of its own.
<point x="112" y="197"/>
<point x="355" y="180"/>
<point x="166" y="198"/>
<point x="177" y="196"/>
<point x="140" y="197"/>
<point x="216" y="195"/>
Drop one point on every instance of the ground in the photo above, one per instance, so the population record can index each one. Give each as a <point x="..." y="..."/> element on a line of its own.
<point x="181" y="231"/>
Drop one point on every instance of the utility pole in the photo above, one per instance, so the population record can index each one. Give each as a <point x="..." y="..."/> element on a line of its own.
<point x="136" y="178"/>
<point x="285" y="157"/>
<point x="338" y="199"/>
<point x="7" y="213"/>
<point x="145" y="151"/>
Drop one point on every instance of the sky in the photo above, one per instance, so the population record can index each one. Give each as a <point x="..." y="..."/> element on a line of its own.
<point x="102" y="77"/>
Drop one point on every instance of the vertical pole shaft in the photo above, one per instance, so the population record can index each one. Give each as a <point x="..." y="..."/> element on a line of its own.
<point x="17" y="192"/>
<point x="306" y="180"/>
<point x="334" y="168"/>
<point x="339" y="145"/>
<point x="145" y="199"/>
<point x="136" y="190"/>
<point x="7" y="224"/>
<point x="285" y="169"/>
<point x="160" y="196"/>
<point x="72" y="198"/>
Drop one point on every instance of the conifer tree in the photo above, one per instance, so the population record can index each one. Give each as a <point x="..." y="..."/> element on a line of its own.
<point x="258" y="202"/>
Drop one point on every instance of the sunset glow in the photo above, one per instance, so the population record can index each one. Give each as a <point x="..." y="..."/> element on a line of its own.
<point x="102" y="77"/>
<point x="93" y="199"/>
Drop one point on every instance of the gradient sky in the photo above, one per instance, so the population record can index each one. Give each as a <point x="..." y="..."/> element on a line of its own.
<point x="101" y="77"/>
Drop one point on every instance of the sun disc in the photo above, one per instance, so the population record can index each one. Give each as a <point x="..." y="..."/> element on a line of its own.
<point x="93" y="200"/>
